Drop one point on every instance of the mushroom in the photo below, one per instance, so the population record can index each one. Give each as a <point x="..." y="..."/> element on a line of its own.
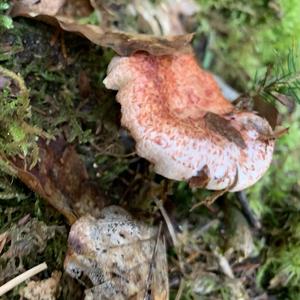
<point x="182" y="123"/>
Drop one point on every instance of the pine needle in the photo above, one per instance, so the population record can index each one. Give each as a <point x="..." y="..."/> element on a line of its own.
<point x="281" y="81"/>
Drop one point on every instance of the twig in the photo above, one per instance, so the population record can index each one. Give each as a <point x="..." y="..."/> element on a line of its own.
<point x="101" y="152"/>
<point x="180" y="290"/>
<point x="208" y="201"/>
<point x="21" y="278"/>
<point x="149" y="279"/>
<point x="223" y="263"/>
<point x="168" y="222"/>
<point x="253" y="221"/>
<point x="172" y="232"/>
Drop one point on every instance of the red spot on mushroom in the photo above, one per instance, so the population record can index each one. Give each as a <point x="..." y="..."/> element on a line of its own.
<point x="208" y="93"/>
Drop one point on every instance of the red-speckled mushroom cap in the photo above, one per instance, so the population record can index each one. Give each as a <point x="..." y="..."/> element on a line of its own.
<point x="182" y="123"/>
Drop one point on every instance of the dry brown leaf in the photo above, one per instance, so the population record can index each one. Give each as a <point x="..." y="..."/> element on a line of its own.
<point x="119" y="255"/>
<point x="46" y="289"/>
<point x="201" y="179"/>
<point x="61" y="178"/>
<point x="123" y="43"/>
<point x="266" y="110"/>
<point x="128" y="43"/>
<point x="260" y="106"/>
<point x="224" y="128"/>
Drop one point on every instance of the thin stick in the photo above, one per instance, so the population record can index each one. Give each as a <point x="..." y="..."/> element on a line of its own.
<point x="172" y="233"/>
<point x="248" y="213"/>
<point x="180" y="290"/>
<point x="168" y="222"/>
<point x="21" y="278"/>
<point x="223" y="263"/>
<point x="149" y="279"/>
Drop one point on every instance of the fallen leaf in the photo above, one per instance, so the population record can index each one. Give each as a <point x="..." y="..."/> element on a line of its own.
<point x="266" y="110"/>
<point x="123" y="43"/>
<point x="129" y="43"/>
<point x="224" y="128"/>
<point x="119" y="255"/>
<point x="61" y="178"/>
<point x="260" y="106"/>
<point x="201" y="180"/>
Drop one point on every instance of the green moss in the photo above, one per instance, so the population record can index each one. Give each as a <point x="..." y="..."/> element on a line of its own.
<point x="45" y="93"/>
<point x="282" y="35"/>
<point x="17" y="137"/>
<point x="245" y="36"/>
<point x="5" y="21"/>
<point x="276" y="199"/>
<point x="54" y="78"/>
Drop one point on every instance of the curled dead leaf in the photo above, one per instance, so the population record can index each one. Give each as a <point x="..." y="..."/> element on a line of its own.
<point x="61" y="178"/>
<point x="266" y="110"/>
<point x="260" y="106"/>
<point x="201" y="179"/>
<point x="121" y="42"/>
<point x="129" y="43"/>
<point x="223" y="127"/>
<point x="119" y="255"/>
